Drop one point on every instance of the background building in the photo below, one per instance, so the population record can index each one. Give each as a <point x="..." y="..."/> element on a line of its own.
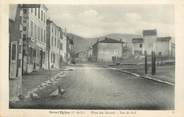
<point x="163" y="46"/>
<point x="53" y="45"/>
<point x="34" y="37"/>
<point x="63" y="47"/>
<point x="107" y="49"/>
<point x="81" y="57"/>
<point x="70" y="50"/>
<point x="172" y="49"/>
<point x="137" y="46"/>
<point x="150" y="38"/>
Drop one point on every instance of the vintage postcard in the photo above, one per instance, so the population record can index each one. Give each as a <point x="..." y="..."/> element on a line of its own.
<point x="92" y="58"/>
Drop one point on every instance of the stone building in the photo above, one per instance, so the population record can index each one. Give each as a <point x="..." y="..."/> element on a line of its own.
<point x="15" y="52"/>
<point x="149" y="38"/>
<point x="138" y="48"/>
<point x="34" y="37"/>
<point x="172" y="49"/>
<point x="163" y="46"/>
<point x="107" y="49"/>
<point x="63" y="47"/>
<point x="53" y="45"/>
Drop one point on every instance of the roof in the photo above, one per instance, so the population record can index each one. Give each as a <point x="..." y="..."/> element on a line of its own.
<point x="137" y="40"/>
<point x="164" y="38"/>
<point x="109" y="40"/>
<point x="151" y="32"/>
<point x="51" y="22"/>
<point x="31" y="6"/>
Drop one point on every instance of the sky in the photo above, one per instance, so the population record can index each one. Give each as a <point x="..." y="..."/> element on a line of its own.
<point x="97" y="20"/>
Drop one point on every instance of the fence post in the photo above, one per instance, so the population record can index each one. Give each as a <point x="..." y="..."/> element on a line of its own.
<point x="146" y="65"/>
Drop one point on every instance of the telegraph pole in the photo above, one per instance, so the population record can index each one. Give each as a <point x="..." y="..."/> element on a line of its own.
<point x="145" y="65"/>
<point x="153" y="63"/>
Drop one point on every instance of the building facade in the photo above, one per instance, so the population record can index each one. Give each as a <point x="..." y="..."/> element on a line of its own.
<point x="70" y="50"/>
<point x="53" y="45"/>
<point x="172" y="49"/>
<point x="137" y="48"/>
<point x="63" y="47"/>
<point x="163" y="46"/>
<point x="107" y="49"/>
<point x="15" y="53"/>
<point x="34" y="37"/>
<point x="81" y="57"/>
<point x="149" y="38"/>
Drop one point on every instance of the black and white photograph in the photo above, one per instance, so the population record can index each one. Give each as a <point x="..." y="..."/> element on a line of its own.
<point x="99" y="56"/>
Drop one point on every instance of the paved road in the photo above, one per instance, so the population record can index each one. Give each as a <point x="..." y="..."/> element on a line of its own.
<point x="94" y="87"/>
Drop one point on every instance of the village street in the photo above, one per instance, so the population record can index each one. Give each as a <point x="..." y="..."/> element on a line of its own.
<point x="90" y="86"/>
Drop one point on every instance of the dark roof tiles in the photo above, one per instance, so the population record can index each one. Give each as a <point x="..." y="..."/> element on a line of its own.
<point x="149" y="32"/>
<point x="109" y="40"/>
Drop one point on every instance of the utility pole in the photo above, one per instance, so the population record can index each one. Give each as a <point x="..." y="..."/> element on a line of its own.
<point x="153" y="58"/>
<point x="145" y="65"/>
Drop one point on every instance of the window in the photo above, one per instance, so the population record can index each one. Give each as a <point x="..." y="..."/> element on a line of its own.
<point x="61" y="34"/>
<point x="24" y="20"/>
<point x="31" y="55"/>
<point x="58" y="44"/>
<point x="35" y="33"/>
<point x="53" y="58"/>
<point x="31" y="28"/>
<point x="41" y="35"/>
<point x="24" y="11"/>
<point x="44" y="17"/>
<point x="55" y="41"/>
<point x="38" y="33"/>
<point x="39" y="13"/>
<point x="34" y="53"/>
<point x="35" y="11"/>
<point x="31" y="10"/>
<point x="14" y="51"/>
<point x="44" y="36"/>
<point x="140" y="45"/>
<point x="24" y="37"/>
<point x="160" y="53"/>
<point x="61" y="46"/>
<point x="52" y="41"/>
<point x="24" y="28"/>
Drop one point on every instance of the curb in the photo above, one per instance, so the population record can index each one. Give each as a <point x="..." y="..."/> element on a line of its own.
<point x="158" y="80"/>
<point x="53" y="80"/>
<point x="146" y="77"/>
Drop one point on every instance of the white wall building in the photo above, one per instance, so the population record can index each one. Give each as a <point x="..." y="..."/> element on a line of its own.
<point x="56" y="45"/>
<point x="150" y="38"/>
<point x="138" y="46"/>
<point x="34" y="37"/>
<point x="163" y="46"/>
